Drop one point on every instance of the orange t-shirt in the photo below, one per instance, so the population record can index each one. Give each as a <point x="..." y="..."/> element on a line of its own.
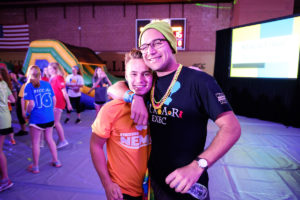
<point x="21" y="92"/>
<point x="128" y="146"/>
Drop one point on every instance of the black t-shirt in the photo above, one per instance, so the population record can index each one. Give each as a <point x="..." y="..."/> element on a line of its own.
<point x="101" y="90"/>
<point x="179" y="130"/>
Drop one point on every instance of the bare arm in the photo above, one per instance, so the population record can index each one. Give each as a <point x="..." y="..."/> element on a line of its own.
<point x="15" y="94"/>
<point x="11" y="98"/>
<point x="139" y="112"/>
<point x="74" y="86"/>
<point x="54" y="101"/>
<point x="30" y="106"/>
<point x="117" y="90"/>
<point x="229" y="132"/>
<point x="64" y="91"/>
<point x="79" y="85"/>
<point x="195" y="68"/>
<point x="92" y="88"/>
<point x="109" y="83"/>
<point x="96" y="83"/>
<point x="227" y="136"/>
<point x="112" y="190"/>
<point x="71" y="85"/>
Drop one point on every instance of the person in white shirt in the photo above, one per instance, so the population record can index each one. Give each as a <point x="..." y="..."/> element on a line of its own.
<point x="74" y="82"/>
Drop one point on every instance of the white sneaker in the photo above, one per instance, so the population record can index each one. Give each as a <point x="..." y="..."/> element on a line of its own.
<point x="42" y="144"/>
<point x="5" y="184"/>
<point x="62" y="144"/>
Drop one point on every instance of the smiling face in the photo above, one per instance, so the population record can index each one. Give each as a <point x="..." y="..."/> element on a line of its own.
<point x="160" y="59"/>
<point x="45" y="71"/>
<point x="99" y="71"/>
<point x="52" y="69"/>
<point x="138" y="76"/>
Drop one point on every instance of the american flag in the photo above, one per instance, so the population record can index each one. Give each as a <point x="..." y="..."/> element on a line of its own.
<point x="14" y="37"/>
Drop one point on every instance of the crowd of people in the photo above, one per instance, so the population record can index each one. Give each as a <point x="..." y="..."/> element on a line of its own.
<point x="155" y="129"/>
<point x="39" y="98"/>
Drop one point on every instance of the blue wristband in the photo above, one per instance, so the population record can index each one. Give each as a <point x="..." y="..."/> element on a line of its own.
<point x="128" y="96"/>
<point x="27" y="114"/>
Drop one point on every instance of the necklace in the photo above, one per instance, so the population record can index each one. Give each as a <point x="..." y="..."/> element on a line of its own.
<point x="158" y="104"/>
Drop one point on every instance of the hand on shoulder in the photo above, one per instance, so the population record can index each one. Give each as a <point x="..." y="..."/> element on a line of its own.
<point x="195" y="68"/>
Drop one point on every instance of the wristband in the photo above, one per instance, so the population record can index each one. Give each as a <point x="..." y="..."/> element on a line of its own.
<point x="128" y="96"/>
<point x="27" y="114"/>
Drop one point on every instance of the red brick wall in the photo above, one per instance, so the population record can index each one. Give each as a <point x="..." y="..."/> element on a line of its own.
<point x="112" y="28"/>
<point x="250" y="11"/>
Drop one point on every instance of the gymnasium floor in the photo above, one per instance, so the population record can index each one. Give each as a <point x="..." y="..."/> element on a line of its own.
<point x="263" y="165"/>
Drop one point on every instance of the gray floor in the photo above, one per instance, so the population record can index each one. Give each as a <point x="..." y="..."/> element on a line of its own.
<point x="264" y="164"/>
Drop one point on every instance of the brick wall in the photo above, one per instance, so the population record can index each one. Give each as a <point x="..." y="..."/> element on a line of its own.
<point x="250" y="11"/>
<point x="110" y="30"/>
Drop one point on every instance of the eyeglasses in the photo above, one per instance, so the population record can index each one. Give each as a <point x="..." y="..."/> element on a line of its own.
<point x="156" y="44"/>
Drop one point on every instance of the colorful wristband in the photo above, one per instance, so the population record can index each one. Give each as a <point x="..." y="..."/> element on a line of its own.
<point x="128" y="96"/>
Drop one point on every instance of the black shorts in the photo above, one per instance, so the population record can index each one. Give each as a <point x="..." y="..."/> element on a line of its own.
<point x="6" y="131"/>
<point x="75" y="102"/>
<point x="128" y="197"/>
<point x="43" y="126"/>
<point x="100" y="102"/>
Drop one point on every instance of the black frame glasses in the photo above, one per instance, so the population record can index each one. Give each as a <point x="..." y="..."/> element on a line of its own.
<point x="156" y="44"/>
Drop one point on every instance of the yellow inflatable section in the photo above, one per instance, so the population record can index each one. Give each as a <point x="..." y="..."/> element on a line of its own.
<point x="43" y="52"/>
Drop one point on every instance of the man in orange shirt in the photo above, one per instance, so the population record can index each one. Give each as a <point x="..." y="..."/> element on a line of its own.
<point x="128" y="145"/>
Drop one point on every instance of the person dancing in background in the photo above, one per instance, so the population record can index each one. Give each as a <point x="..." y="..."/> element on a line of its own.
<point x="59" y="87"/>
<point x="40" y="111"/>
<point x="74" y="82"/>
<point x="46" y="75"/>
<point x="5" y="126"/>
<point x="15" y="83"/>
<point x="16" y="89"/>
<point x="9" y="83"/>
<point x="100" y="84"/>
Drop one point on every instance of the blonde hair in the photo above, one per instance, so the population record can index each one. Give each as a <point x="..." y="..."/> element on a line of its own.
<point x="57" y="67"/>
<point x="34" y="76"/>
<point x="133" y="54"/>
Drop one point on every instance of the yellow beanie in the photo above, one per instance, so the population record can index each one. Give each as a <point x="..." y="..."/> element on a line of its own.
<point x="165" y="29"/>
